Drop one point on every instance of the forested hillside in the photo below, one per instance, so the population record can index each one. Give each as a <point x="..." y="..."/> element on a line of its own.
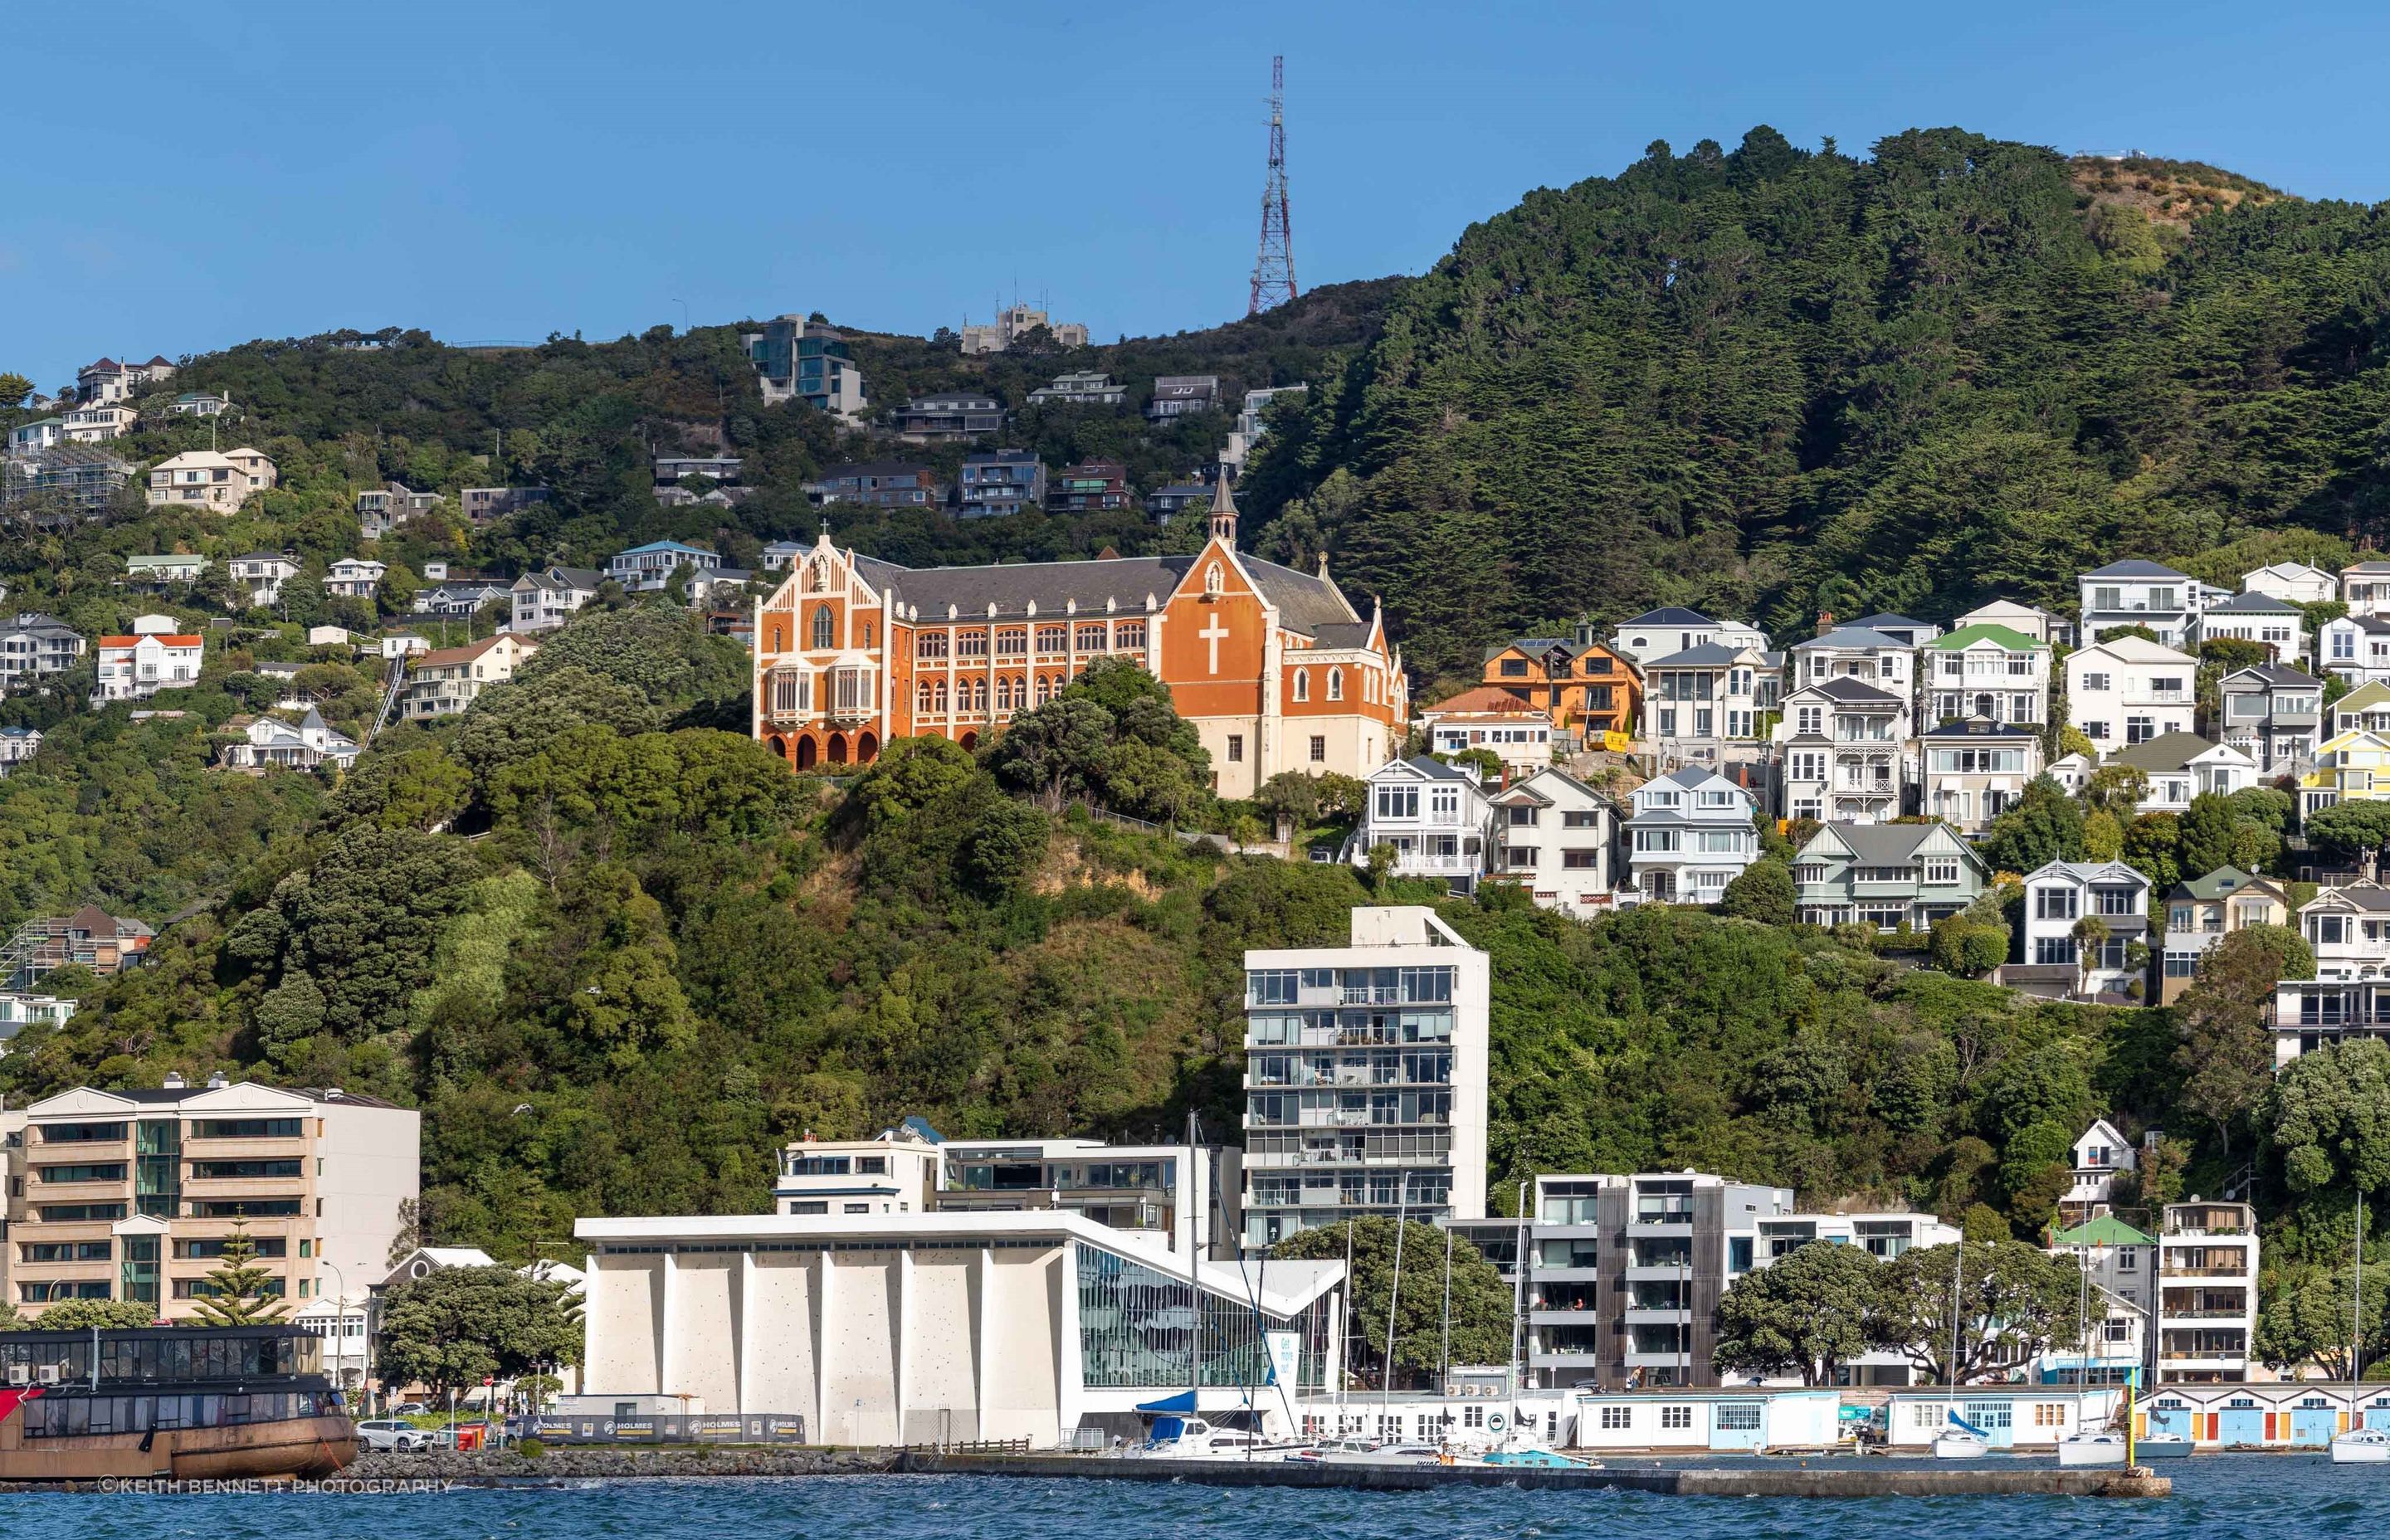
<point x="1777" y="382"/>
<point x="618" y="956"/>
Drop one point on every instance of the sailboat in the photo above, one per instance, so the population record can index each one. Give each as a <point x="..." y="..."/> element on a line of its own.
<point x="2360" y="1445"/>
<point x="1960" y="1439"/>
<point x="2089" y="1445"/>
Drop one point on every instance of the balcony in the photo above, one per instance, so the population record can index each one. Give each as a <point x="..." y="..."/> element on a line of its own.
<point x="1415" y="863"/>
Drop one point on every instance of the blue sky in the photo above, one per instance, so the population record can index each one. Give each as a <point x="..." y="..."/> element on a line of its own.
<point x="189" y="177"/>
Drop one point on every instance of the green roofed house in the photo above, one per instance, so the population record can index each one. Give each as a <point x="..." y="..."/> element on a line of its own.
<point x="2122" y="1260"/>
<point x="1886" y="875"/>
<point x="1990" y="671"/>
<point x="156" y="572"/>
<point x="2204" y="910"/>
<point x="2366" y="707"/>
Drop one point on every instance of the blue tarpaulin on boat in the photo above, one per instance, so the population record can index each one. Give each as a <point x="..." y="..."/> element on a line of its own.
<point x="1959" y="1421"/>
<point x="1183" y="1401"/>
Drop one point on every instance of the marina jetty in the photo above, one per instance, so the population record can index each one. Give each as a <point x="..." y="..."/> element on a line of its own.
<point x="1841" y="1479"/>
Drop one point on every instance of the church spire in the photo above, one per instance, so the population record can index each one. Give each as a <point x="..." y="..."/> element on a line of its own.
<point x="1224" y="511"/>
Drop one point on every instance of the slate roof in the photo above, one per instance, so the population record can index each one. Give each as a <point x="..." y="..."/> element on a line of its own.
<point x="1707" y="655"/>
<point x="2220" y="883"/>
<point x="1880" y="620"/>
<point x="2362" y="895"/>
<point x="2279" y="676"/>
<point x="1306" y="603"/>
<point x="2138" y="568"/>
<point x="1853" y="638"/>
<point x="1669" y="615"/>
<point x="1850" y="691"/>
<point x="2253" y="604"/>
<point x="2165" y="751"/>
<point x="1880" y="844"/>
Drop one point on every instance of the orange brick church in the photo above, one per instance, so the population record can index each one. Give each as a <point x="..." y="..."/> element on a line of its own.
<point x="1273" y="667"/>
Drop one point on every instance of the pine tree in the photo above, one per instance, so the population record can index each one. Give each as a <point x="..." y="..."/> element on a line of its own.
<point x="240" y="1291"/>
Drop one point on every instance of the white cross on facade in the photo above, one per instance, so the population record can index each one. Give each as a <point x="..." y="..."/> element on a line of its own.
<point x="1212" y="634"/>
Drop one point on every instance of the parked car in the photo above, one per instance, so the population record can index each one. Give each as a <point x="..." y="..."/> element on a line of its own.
<point x="410" y="1408"/>
<point x="391" y="1433"/>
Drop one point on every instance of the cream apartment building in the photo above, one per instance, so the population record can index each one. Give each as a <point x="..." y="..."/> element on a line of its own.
<point x="129" y="1195"/>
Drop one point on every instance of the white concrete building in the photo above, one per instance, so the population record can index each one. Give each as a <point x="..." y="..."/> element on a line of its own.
<point x="1554" y="835"/>
<point x="1434" y="815"/>
<point x="97" y="424"/>
<point x="1366" y="1077"/>
<point x="2129" y="691"/>
<point x="1690" y="834"/>
<point x="2292" y="583"/>
<point x="2207" y="1292"/>
<point x="882" y="1329"/>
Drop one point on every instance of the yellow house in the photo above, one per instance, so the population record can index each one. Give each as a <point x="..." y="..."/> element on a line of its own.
<point x="2352" y="768"/>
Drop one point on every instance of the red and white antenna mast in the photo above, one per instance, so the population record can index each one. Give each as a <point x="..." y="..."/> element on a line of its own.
<point x="1274" y="263"/>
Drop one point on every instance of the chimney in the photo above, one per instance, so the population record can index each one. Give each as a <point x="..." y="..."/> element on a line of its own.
<point x="1825" y="621"/>
<point x="174" y="1081"/>
<point x="216" y="1081"/>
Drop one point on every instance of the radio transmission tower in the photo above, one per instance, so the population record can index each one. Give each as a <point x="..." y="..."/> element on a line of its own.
<point x="1274" y="263"/>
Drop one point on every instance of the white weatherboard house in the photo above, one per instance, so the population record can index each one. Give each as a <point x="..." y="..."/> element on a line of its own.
<point x="2183" y="765"/>
<point x="1884" y="662"/>
<point x="2257" y="618"/>
<point x="2294" y="582"/>
<point x="1994" y="672"/>
<point x="1844" y="752"/>
<point x="1690" y="834"/>
<point x="1434" y="816"/>
<point x="2365" y="586"/>
<point x="2128" y="690"/>
<point x="2058" y="897"/>
<point x="1658" y="633"/>
<point x="1554" y="836"/>
<point x="2356" y="647"/>
<point x="2274" y="714"/>
<point x="1969" y="771"/>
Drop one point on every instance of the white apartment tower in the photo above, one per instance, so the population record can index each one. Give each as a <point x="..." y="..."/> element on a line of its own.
<point x="1366" y="1077"/>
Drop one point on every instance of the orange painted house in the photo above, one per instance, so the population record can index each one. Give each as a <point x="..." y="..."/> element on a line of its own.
<point x="1275" y="668"/>
<point x="1583" y="687"/>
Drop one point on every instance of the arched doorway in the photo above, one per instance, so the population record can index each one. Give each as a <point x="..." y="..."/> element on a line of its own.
<point x="836" y="750"/>
<point x="805" y="752"/>
<point x="971" y="742"/>
<point x="779" y="745"/>
<point x="867" y="749"/>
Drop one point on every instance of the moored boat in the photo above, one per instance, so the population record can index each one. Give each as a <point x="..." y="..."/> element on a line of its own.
<point x="188" y="1403"/>
<point x="2162" y="1446"/>
<point x="2361" y="1446"/>
<point x="2092" y="1448"/>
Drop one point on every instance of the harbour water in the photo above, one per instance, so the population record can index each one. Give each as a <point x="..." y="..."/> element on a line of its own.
<point x="2218" y="1498"/>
